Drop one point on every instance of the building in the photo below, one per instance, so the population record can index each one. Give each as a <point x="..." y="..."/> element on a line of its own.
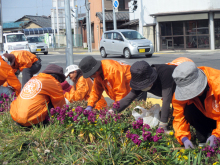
<point x="177" y="25"/>
<point x="27" y="22"/>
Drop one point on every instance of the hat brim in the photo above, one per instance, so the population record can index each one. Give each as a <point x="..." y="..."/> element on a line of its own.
<point x="93" y="70"/>
<point x="192" y="90"/>
<point x="144" y="84"/>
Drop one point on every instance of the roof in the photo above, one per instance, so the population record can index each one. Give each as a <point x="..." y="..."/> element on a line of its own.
<point x="14" y="25"/>
<point x="120" y="30"/>
<point x="185" y="12"/>
<point x="130" y="23"/>
<point x="120" y="16"/>
<point x="42" y="21"/>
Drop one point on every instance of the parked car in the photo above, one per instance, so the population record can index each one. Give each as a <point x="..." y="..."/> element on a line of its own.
<point x="14" y="41"/>
<point x="125" y="42"/>
<point x="37" y="45"/>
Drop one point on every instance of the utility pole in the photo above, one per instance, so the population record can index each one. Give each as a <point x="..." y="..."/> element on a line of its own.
<point x="88" y="25"/>
<point x="141" y="17"/>
<point x="69" y="39"/>
<point x="76" y="22"/>
<point x="58" y="30"/>
<point x="1" y="29"/>
<point x="115" y="5"/>
<point x="103" y="15"/>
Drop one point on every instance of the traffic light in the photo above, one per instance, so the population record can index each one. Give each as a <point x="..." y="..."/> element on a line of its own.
<point x="134" y="5"/>
<point x="74" y="12"/>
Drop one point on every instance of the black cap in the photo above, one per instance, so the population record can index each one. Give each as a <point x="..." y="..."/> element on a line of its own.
<point x="89" y="65"/>
<point x="142" y="75"/>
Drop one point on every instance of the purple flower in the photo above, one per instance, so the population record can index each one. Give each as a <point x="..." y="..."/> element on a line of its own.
<point x="155" y="138"/>
<point x="154" y="150"/>
<point x="137" y="124"/>
<point x="70" y="113"/>
<point x="116" y="105"/>
<point x="52" y="111"/>
<point x="1" y="102"/>
<point x="146" y="136"/>
<point x="135" y="139"/>
<point x="145" y="126"/>
<point x="160" y="130"/>
<point x="128" y="134"/>
<point x="58" y="109"/>
<point x="75" y="117"/>
<point x="208" y="154"/>
<point x="79" y="110"/>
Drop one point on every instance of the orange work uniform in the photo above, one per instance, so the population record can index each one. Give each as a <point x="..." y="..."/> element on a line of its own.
<point x="211" y="103"/>
<point x="7" y="76"/>
<point x="23" y="59"/>
<point x="82" y="92"/>
<point x="179" y="60"/>
<point x="115" y="82"/>
<point x="31" y="105"/>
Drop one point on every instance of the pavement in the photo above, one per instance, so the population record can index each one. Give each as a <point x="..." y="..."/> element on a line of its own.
<point x="152" y="98"/>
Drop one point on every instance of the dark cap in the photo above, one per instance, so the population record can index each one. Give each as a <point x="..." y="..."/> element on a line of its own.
<point x="89" y="65"/>
<point x="10" y="58"/>
<point x="52" y="68"/>
<point x="142" y="75"/>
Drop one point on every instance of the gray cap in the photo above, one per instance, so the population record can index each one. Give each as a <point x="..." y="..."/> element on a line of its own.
<point x="190" y="81"/>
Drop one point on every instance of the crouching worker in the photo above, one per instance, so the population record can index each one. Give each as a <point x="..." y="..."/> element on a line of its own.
<point x="25" y="62"/>
<point x="82" y="87"/>
<point x="156" y="79"/>
<point x="196" y="103"/>
<point x="109" y="75"/>
<point x="39" y="92"/>
<point x="7" y="75"/>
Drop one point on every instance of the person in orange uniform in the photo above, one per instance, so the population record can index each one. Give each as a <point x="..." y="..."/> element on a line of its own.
<point x="196" y="103"/>
<point x="7" y="75"/>
<point x="82" y="87"/>
<point x="179" y="60"/>
<point x="109" y="75"/>
<point x="25" y="62"/>
<point x="39" y="92"/>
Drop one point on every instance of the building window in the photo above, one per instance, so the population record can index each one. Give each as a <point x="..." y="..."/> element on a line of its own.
<point x="92" y="31"/>
<point x="121" y="5"/>
<point x="217" y="33"/>
<point x="184" y="35"/>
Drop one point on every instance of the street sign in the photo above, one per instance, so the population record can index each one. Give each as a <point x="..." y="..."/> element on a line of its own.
<point x="115" y="5"/>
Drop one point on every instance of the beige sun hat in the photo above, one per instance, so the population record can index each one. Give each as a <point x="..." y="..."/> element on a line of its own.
<point x="71" y="68"/>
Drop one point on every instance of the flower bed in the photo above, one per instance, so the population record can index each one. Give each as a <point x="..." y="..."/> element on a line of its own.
<point x="76" y="136"/>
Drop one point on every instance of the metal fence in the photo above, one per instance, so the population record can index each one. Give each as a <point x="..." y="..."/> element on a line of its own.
<point x="59" y="41"/>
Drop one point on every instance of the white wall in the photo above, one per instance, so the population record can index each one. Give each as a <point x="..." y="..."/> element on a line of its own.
<point x="168" y="6"/>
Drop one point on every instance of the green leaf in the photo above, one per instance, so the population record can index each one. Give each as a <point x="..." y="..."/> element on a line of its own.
<point x="189" y="159"/>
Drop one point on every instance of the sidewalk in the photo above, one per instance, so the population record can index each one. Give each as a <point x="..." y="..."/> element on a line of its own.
<point x="97" y="52"/>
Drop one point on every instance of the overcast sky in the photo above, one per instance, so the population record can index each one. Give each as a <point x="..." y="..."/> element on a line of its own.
<point x="12" y="10"/>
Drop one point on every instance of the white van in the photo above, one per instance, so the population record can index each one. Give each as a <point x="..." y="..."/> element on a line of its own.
<point x="15" y="41"/>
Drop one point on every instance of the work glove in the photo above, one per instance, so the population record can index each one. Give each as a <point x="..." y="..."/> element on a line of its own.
<point x="89" y="108"/>
<point x="211" y="139"/>
<point x="187" y="143"/>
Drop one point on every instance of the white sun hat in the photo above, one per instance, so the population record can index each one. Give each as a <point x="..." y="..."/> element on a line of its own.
<point x="70" y="69"/>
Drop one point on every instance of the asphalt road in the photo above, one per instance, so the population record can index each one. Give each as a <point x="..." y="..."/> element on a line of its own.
<point x="201" y="58"/>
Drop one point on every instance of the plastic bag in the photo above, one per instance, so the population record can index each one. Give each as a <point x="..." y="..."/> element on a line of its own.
<point x="150" y="117"/>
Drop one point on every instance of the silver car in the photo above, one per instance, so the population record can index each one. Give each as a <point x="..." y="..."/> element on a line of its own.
<point x="36" y="45"/>
<point x="125" y="42"/>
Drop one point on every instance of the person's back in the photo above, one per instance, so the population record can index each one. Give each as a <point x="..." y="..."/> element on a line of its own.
<point x="31" y="105"/>
<point x="7" y="76"/>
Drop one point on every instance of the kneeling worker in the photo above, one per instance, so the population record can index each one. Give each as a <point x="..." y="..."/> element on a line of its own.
<point x="196" y="103"/>
<point x="82" y="87"/>
<point x="39" y="92"/>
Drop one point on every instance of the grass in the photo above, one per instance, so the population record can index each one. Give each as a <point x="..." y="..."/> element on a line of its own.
<point x="59" y="144"/>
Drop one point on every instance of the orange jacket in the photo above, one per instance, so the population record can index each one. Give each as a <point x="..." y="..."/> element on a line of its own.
<point x="179" y="60"/>
<point x="7" y="76"/>
<point x="23" y="59"/>
<point x="82" y="92"/>
<point x="212" y="107"/>
<point x="30" y="106"/>
<point x="116" y="82"/>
